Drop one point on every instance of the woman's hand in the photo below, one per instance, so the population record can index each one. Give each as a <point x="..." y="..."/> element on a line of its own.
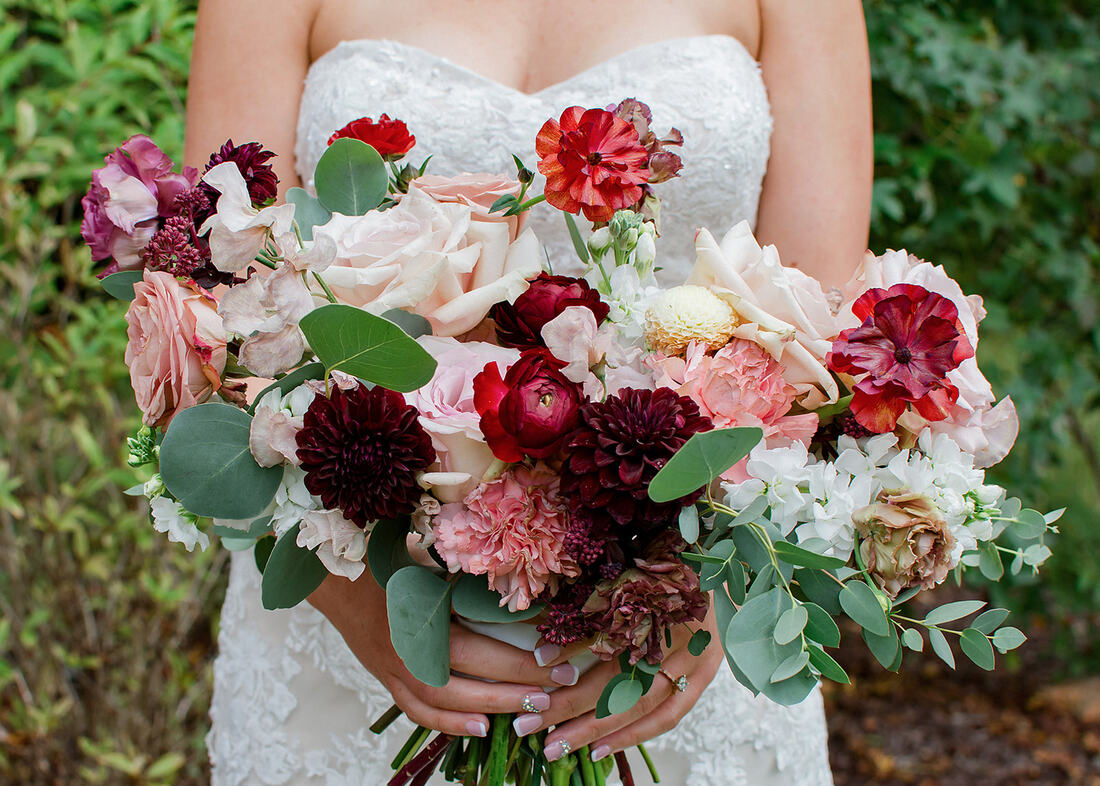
<point x="358" y="610"/>
<point x="655" y="713"/>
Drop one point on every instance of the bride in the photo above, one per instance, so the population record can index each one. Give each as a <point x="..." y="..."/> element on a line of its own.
<point x="756" y="86"/>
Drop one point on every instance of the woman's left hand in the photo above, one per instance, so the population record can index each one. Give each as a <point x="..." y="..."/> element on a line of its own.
<point x="572" y="709"/>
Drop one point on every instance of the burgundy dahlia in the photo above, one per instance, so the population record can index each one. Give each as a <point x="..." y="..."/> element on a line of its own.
<point x="251" y="159"/>
<point x="520" y="324"/>
<point x="361" y="450"/>
<point x="619" y="446"/>
<point x="632" y="613"/>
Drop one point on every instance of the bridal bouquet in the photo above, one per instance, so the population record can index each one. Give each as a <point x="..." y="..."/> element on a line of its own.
<point x="593" y="456"/>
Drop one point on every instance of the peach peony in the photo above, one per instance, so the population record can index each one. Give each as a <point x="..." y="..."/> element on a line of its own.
<point x="512" y="530"/>
<point x="176" y="349"/>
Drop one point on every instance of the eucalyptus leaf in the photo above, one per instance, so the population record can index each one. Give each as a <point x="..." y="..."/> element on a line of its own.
<point x="790" y="626"/>
<point x="791" y="666"/>
<point x="602" y="708"/>
<point x="700" y="460"/>
<point x="764" y="581"/>
<point x="418" y="603"/>
<point x="818" y="586"/>
<point x="413" y="324"/>
<point x="792" y="690"/>
<point x="906" y="595"/>
<point x="1030" y="524"/>
<point x="976" y="646"/>
<point x="989" y="621"/>
<point x="349" y="339"/>
<point x="724" y="611"/>
<point x="387" y="549"/>
<point x="941" y="647"/>
<point x="121" y="285"/>
<point x="290" y="382"/>
<point x="474" y="600"/>
<point x="884" y="648"/>
<point x="750" y="638"/>
<point x="689" y="523"/>
<point x="351" y="178"/>
<point x="861" y="604"/>
<point x="820" y="626"/>
<point x="308" y="211"/>
<point x="990" y="561"/>
<point x="1008" y="638"/>
<point x="262" y="553"/>
<point x="291" y="574"/>
<point x="624" y="696"/>
<point x="206" y="464"/>
<point x="912" y="639"/>
<point x="828" y="667"/>
<point x="804" y="558"/>
<point x="254" y="530"/>
<point x="949" y="612"/>
<point x="714" y="573"/>
<point x="751" y="512"/>
<point x="735" y="580"/>
<point x="698" y="642"/>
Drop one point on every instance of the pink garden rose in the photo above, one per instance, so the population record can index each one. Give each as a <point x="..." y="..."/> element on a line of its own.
<point x="176" y="349"/>
<point x="430" y="258"/>
<point x="478" y="191"/>
<point x="125" y="199"/>
<point x="510" y="529"/>
<point x="447" y="413"/>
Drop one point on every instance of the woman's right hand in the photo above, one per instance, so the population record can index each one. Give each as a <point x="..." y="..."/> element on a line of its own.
<point x="358" y="610"/>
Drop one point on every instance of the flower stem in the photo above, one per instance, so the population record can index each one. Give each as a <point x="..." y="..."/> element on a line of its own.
<point x="649" y="763"/>
<point x="588" y="776"/>
<point x="498" y="751"/>
<point x="388" y="717"/>
<point x="625" y="775"/>
<point x="328" y="292"/>
<point x="411" y="746"/>
<point x="530" y="203"/>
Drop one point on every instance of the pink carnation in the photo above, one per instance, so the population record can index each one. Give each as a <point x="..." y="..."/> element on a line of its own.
<point x="512" y="530"/>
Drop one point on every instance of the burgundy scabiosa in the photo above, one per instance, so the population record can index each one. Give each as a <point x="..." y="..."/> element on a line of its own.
<point x="908" y="341"/>
<point x="620" y="444"/>
<point x="362" y="450"/>
<point x="520" y="324"/>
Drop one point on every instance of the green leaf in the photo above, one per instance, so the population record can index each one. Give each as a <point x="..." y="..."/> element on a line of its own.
<point x="989" y="562"/>
<point x="884" y="648"/>
<point x="387" y="549"/>
<point x="602" y="709"/>
<point x="413" y="324"/>
<point x="976" y="646"/>
<point x="907" y="595"/>
<point x="989" y="621"/>
<point x="764" y="581"/>
<point x="796" y="555"/>
<point x="821" y="627"/>
<point x="698" y="642"/>
<point x="262" y="552"/>
<point x="254" y="529"/>
<point x="474" y="600"/>
<point x="1008" y="638"/>
<point x="714" y="573"/>
<point x="1030" y="524"/>
<point x="791" y="666"/>
<point x="792" y="690"/>
<point x="941" y="647"/>
<point x="624" y="695"/>
<point x="289" y="382"/>
<point x="366" y="346"/>
<point x="308" y="211"/>
<point x="790" y="626"/>
<point x="505" y="202"/>
<point x="953" y="611"/>
<point x="700" y="460"/>
<point x="689" y="523"/>
<point x="912" y="639"/>
<point x="351" y="178"/>
<point x="291" y="573"/>
<point x="735" y="580"/>
<point x="578" y="242"/>
<point x="121" y="285"/>
<point x="206" y="464"/>
<point x="750" y="639"/>
<point x="828" y="667"/>
<point x="830" y="411"/>
<point x="820" y="588"/>
<point x="419" y="606"/>
<point x="861" y="604"/>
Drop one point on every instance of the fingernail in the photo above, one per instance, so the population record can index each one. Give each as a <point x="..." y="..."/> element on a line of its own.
<point x="556" y="750"/>
<point x="536" y="702"/>
<point x="476" y="729"/>
<point x="526" y="724"/>
<point x="602" y="752"/>
<point x="565" y="674"/>
<point x="546" y="653"/>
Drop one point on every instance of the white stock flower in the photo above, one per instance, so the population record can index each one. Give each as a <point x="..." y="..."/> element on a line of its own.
<point x="292" y="500"/>
<point x="169" y="516"/>
<point x="782" y="470"/>
<point x="276" y="421"/>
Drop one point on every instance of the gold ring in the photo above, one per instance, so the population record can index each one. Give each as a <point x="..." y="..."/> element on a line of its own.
<point x="680" y="683"/>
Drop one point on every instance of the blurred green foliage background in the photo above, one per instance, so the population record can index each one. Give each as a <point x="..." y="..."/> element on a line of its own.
<point x="987" y="156"/>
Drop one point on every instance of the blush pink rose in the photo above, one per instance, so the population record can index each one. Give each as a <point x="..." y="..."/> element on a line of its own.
<point x="176" y="349"/>
<point x="512" y="530"/>
<point x="478" y="191"/>
<point x="447" y="413"/>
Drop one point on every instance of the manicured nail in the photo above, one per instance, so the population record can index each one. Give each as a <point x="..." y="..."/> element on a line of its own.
<point x="546" y="653"/>
<point x="555" y="750"/>
<point x="565" y="674"/>
<point x="476" y="729"/>
<point x="535" y="702"/>
<point x="526" y="724"/>
<point x="602" y="752"/>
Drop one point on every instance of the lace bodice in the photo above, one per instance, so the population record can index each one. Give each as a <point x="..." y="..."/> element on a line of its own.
<point x="291" y="702"/>
<point x="708" y="86"/>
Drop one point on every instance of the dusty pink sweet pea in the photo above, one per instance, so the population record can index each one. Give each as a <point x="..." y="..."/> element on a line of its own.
<point x="447" y="413"/>
<point x="125" y="199"/>
<point x="176" y="346"/>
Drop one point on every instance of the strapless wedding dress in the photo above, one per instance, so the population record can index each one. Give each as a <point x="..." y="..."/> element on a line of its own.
<point x="291" y="703"/>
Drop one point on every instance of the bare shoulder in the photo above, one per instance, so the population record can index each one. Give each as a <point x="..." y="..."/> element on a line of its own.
<point x="248" y="63"/>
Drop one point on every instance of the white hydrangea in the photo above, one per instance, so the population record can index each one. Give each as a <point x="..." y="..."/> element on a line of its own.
<point x="171" y="517"/>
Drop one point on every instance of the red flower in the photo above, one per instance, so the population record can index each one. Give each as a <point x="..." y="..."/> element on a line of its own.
<point x="593" y="161"/>
<point x="391" y="138"/>
<point x="520" y="324"/>
<point x="909" y="340"/>
<point x="530" y="411"/>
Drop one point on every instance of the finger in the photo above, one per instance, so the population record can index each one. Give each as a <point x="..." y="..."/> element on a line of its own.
<point x="664" y="718"/>
<point x="547" y="654"/>
<point x="458" y="724"/>
<point x="566" y="703"/>
<point x="469" y="695"/>
<point x="480" y="656"/>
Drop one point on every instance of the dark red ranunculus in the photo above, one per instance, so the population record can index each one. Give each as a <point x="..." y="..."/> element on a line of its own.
<point x="520" y="324"/>
<point x="909" y="340"/>
<point x="390" y="137"/>
<point x="530" y="410"/>
<point x="593" y="161"/>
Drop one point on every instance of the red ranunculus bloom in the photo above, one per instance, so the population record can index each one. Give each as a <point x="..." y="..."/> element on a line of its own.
<point x="909" y="340"/>
<point x="593" y="161"/>
<point x="520" y="324"/>
<point x="390" y="137"/>
<point x="530" y="410"/>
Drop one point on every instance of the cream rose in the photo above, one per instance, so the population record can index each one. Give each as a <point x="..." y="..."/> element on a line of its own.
<point x="906" y="542"/>
<point x="429" y="258"/>
<point x="176" y="348"/>
<point x="478" y="191"/>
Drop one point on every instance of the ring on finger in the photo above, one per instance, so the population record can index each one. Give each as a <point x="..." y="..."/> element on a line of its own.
<point x="679" y="683"/>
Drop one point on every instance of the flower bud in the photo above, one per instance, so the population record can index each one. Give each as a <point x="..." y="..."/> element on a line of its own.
<point x="154" y="487"/>
<point x="645" y="253"/>
<point x="599" y="241"/>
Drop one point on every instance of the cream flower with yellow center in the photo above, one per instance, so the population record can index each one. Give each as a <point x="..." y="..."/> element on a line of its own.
<point x="688" y="313"/>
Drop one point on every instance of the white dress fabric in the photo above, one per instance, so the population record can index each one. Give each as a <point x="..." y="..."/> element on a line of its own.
<point x="291" y="702"/>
